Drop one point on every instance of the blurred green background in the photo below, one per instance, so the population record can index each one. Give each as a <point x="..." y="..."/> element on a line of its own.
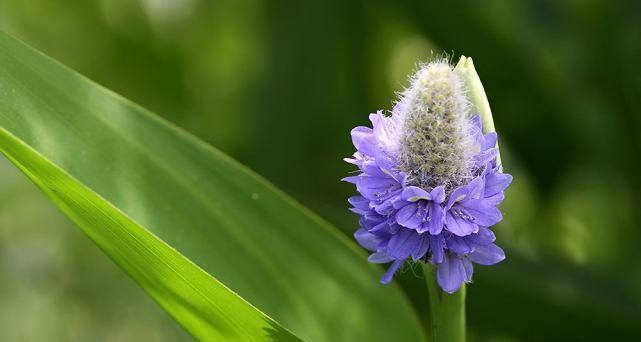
<point x="279" y="84"/>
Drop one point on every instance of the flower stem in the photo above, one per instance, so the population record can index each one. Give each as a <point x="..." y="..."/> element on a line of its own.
<point x="447" y="311"/>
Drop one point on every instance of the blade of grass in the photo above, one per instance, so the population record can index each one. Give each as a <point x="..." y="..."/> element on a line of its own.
<point x="230" y="222"/>
<point x="204" y="306"/>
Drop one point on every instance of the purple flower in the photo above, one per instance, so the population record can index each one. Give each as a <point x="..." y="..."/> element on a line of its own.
<point x="428" y="182"/>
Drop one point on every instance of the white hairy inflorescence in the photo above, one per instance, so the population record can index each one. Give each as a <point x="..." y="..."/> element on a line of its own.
<point x="435" y="148"/>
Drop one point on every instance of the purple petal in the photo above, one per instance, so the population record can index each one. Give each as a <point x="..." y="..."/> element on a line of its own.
<point x="468" y="268"/>
<point x="410" y="216"/>
<point x="371" y="168"/>
<point x="489" y="141"/>
<point x="451" y="273"/>
<point x="385" y="162"/>
<point x="375" y="188"/>
<point x="496" y="182"/>
<point x="494" y="200"/>
<point x="355" y="161"/>
<point x="395" y="227"/>
<point x="400" y="203"/>
<point x="459" y="244"/>
<point x="402" y="244"/>
<point x="437" y="216"/>
<point x="351" y="179"/>
<point x="486" y="156"/>
<point x="414" y="193"/>
<point x="438" y="194"/>
<point x="357" y="211"/>
<point x="364" y="140"/>
<point x="373" y="217"/>
<point x="437" y="243"/>
<point x="459" y="194"/>
<point x="484" y="214"/>
<point x="487" y="255"/>
<point x="387" y="206"/>
<point x="422" y="248"/>
<point x="379" y="258"/>
<point x="475" y="188"/>
<point x="384" y="130"/>
<point x="360" y="204"/>
<point x="366" y="239"/>
<point x="459" y="226"/>
<point x="485" y="236"/>
<point x="379" y="227"/>
<point x="387" y="277"/>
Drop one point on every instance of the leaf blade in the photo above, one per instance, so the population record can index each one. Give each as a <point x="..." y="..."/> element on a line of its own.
<point x="217" y="213"/>
<point x="155" y="266"/>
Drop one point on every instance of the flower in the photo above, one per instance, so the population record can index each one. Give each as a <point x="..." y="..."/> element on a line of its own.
<point x="429" y="183"/>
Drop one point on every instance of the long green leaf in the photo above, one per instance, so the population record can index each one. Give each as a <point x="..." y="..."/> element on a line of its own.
<point x="189" y="294"/>
<point x="137" y="185"/>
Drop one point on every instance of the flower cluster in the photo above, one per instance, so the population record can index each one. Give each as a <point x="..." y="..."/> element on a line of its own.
<point x="429" y="183"/>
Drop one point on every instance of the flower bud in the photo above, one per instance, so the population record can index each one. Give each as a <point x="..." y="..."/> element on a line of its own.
<point x="435" y="147"/>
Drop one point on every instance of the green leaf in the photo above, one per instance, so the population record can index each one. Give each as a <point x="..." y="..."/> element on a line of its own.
<point x="204" y="306"/>
<point x="174" y="213"/>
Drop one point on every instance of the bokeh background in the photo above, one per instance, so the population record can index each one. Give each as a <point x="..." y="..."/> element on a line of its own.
<point x="279" y="84"/>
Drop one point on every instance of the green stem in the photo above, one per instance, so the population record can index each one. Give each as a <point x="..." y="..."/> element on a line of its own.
<point x="447" y="311"/>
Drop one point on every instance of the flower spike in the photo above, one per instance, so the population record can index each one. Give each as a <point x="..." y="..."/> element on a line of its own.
<point x="430" y="177"/>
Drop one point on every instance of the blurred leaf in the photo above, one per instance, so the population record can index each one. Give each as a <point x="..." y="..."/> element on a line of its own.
<point x="204" y="306"/>
<point x="140" y="188"/>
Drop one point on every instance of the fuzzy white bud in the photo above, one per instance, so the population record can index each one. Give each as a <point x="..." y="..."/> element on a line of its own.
<point x="434" y="145"/>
